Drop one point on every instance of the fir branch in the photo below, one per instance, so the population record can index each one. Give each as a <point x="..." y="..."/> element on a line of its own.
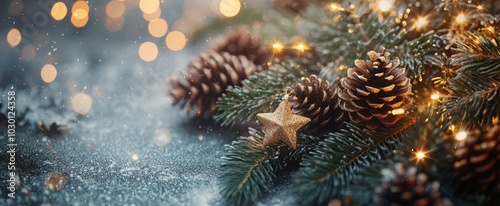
<point x="260" y="93"/>
<point x="474" y="96"/>
<point x="330" y="168"/>
<point x="249" y="168"/>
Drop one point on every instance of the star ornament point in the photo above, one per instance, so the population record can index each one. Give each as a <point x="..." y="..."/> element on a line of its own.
<point x="282" y="125"/>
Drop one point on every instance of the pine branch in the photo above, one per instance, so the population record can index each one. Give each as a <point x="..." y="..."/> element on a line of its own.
<point x="473" y="98"/>
<point x="260" y="93"/>
<point x="330" y="168"/>
<point x="250" y="168"/>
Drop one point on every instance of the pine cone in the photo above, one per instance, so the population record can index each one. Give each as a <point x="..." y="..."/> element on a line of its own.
<point x="402" y="186"/>
<point x="292" y="5"/>
<point x="477" y="161"/>
<point x="241" y="42"/>
<point x="373" y="89"/>
<point x="319" y="101"/>
<point x="207" y="78"/>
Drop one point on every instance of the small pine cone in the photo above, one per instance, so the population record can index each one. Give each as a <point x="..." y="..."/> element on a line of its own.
<point x="477" y="161"/>
<point x="242" y="42"/>
<point x="402" y="186"/>
<point x="319" y="101"/>
<point x="373" y="89"/>
<point x="292" y="5"/>
<point x="207" y="78"/>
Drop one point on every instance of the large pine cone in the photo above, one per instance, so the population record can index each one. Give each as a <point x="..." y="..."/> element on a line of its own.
<point x="402" y="186"/>
<point x="477" y="161"/>
<point x="207" y="78"/>
<point x="317" y="100"/>
<point x="242" y="42"/>
<point x="373" y="89"/>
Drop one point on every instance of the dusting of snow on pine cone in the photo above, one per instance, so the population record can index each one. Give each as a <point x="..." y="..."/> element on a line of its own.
<point x="373" y="89"/>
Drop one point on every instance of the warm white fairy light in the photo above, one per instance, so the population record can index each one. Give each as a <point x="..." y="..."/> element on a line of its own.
<point x="384" y="5"/>
<point x="277" y="46"/>
<point x="420" y="155"/>
<point x="461" y="136"/>
<point x="301" y="47"/>
<point x="421" y="23"/>
<point x="435" y="96"/>
<point x="461" y="18"/>
<point x="336" y="7"/>
<point x="398" y="111"/>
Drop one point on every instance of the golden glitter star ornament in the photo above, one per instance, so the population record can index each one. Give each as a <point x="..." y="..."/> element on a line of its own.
<point x="282" y="125"/>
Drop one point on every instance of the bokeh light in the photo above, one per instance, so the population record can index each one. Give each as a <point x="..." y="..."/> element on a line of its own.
<point x="81" y="103"/>
<point x="79" y="22"/>
<point x="148" y="51"/>
<point x="28" y="53"/>
<point x="149" y="6"/>
<point x="461" y="18"/>
<point x="115" y="9"/>
<point x="461" y="136"/>
<point x="114" y="24"/>
<point x="14" y="37"/>
<point x="229" y="8"/>
<point x="48" y="73"/>
<point x="152" y="16"/>
<point x="16" y="7"/>
<point x="162" y="137"/>
<point x="384" y="5"/>
<point x="59" y="11"/>
<point x="80" y="5"/>
<point x="158" y="27"/>
<point x="135" y="157"/>
<point x="176" y="40"/>
<point x="80" y="14"/>
<point x="435" y="96"/>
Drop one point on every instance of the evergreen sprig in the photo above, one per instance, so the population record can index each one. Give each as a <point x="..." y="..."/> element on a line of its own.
<point x="260" y="93"/>
<point x="250" y="168"/>
<point x="329" y="169"/>
<point x="359" y="35"/>
<point x="474" y="97"/>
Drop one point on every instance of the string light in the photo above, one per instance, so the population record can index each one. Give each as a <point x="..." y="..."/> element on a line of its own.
<point x="420" y="155"/>
<point x="398" y="111"/>
<point x="336" y="7"/>
<point x="421" y="23"/>
<point x="480" y="7"/>
<point x="277" y="47"/>
<point x="384" y="6"/>
<point x="435" y="96"/>
<point x="461" y="18"/>
<point x="300" y="47"/>
<point x="461" y="136"/>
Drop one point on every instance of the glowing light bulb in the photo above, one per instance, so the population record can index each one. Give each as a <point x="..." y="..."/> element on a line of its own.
<point x="384" y="6"/>
<point x="336" y="7"/>
<point x="435" y="96"/>
<point x="461" y="136"/>
<point x="421" y="23"/>
<point x="301" y="47"/>
<point x="420" y="155"/>
<point x="277" y="47"/>
<point x="461" y="18"/>
<point x="398" y="111"/>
